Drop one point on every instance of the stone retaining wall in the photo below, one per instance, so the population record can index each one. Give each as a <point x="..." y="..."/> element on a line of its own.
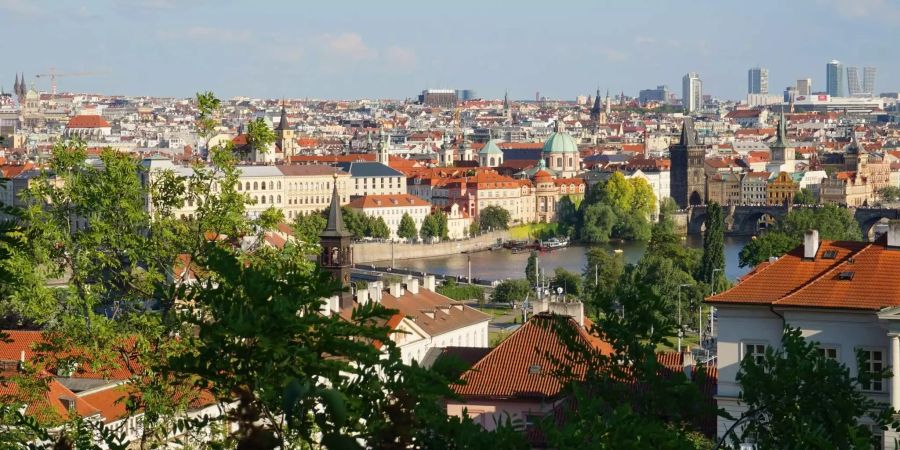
<point x="367" y="252"/>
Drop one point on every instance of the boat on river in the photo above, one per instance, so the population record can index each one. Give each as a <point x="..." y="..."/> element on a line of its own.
<point x="554" y="243"/>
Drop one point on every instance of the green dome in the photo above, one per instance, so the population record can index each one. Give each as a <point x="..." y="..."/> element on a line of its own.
<point x="560" y="142"/>
<point x="490" y="148"/>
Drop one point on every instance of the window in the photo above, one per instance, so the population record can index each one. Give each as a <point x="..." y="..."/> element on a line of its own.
<point x="755" y="351"/>
<point x="828" y="352"/>
<point x="873" y="362"/>
<point x="255" y="186"/>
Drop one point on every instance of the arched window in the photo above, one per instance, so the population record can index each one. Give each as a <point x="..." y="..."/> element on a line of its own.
<point x="247" y="186"/>
<point x="279" y="185"/>
<point x="571" y="162"/>
<point x="279" y="199"/>
<point x="271" y="185"/>
<point x="263" y="197"/>
<point x="492" y="161"/>
<point x="559" y="162"/>
<point x="239" y="186"/>
<point x="255" y="186"/>
<point x="271" y="200"/>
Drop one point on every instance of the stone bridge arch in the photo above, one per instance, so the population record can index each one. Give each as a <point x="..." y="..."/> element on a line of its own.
<point x="867" y="218"/>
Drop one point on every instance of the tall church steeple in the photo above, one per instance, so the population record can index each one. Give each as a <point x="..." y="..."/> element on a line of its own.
<point x="384" y="155"/>
<point x="688" y="177"/>
<point x="285" y="136"/>
<point x="337" y="253"/>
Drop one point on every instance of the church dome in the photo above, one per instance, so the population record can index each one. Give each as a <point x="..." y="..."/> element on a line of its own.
<point x="560" y="142"/>
<point x="490" y="148"/>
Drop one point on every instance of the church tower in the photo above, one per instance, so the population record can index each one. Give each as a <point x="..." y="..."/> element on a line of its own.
<point x="384" y="155"/>
<point x="688" y="177"/>
<point x="337" y="254"/>
<point x="597" y="108"/>
<point x="285" y="136"/>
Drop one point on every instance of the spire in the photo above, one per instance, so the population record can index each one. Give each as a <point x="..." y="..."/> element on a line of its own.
<point x="781" y="136"/>
<point x="282" y="124"/>
<point x="559" y="126"/>
<point x="595" y="111"/>
<point x="335" y="225"/>
<point x="506" y="100"/>
<point x="688" y="138"/>
<point x="16" y="85"/>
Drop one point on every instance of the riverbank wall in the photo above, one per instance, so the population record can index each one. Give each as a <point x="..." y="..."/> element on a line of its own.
<point x="680" y="219"/>
<point x="368" y="252"/>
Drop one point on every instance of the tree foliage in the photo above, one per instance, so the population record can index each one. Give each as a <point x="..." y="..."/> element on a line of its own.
<point x="889" y="193"/>
<point x="435" y="226"/>
<point x="259" y="135"/>
<point x="308" y="227"/>
<point x="407" y="228"/>
<point x="783" y="391"/>
<point x="804" y="197"/>
<point x="511" y="291"/>
<point x="712" y="264"/>
<point x="460" y="292"/>
<point x="570" y="282"/>
<point x="531" y="268"/>
<point x="831" y="221"/>
<point x="618" y="208"/>
<point x="494" y="218"/>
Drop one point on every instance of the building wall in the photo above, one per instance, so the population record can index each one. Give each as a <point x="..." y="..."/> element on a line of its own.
<point x="844" y="330"/>
<point x="377" y="186"/>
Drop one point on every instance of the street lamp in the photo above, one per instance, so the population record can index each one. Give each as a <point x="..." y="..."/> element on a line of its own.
<point x="711" y="317"/>
<point x="680" y="328"/>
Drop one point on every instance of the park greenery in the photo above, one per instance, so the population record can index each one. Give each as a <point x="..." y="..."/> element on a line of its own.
<point x="618" y="208"/>
<point x="889" y="194"/>
<point x="407" y="228"/>
<point x="435" y="227"/>
<point x="307" y="227"/>
<point x="461" y="292"/>
<point x="831" y="221"/>
<point x="805" y="197"/>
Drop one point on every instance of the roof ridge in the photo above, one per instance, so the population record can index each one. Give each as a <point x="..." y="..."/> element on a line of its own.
<point x="844" y="261"/>
<point x="506" y="341"/>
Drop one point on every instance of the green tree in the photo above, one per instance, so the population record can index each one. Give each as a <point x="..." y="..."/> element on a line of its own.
<point x="619" y="192"/>
<point x="643" y="200"/>
<point x="599" y="220"/>
<point x="569" y="217"/>
<point x="889" y="193"/>
<point x="666" y="243"/>
<point x="783" y="389"/>
<point x="377" y="228"/>
<point x="602" y="272"/>
<point x="571" y="282"/>
<point x="460" y="292"/>
<point x="308" y="227"/>
<point x="632" y="226"/>
<point x="435" y="226"/>
<point x="712" y="264"/>
<point x="804" y="197"/>
<point x="259" y="135"/>
<point x="494" y="218"/>
<point x="407" y="228"/>
<point x="832" y="222"/>
<point x="531" y="268"/>
<point x="511" y="291"/>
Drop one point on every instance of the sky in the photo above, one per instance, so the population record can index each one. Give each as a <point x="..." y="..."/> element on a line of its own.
<point x="395" y="48"/>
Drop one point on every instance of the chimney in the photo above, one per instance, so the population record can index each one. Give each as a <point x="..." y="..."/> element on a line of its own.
<point x="413" y="286"/>
<point x="429" y="283"/>
<point x="362" y="296"/>
<point x="375" y="288"/>
<point x="396" y="290"/>
<point x="893" y="234"/>
<point x="810" y="244"/>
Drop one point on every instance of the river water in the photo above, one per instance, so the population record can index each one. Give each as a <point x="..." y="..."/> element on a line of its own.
<point x="503" y="264"/>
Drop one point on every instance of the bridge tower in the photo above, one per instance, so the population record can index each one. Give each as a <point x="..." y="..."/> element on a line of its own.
<point x="688" y="178"/>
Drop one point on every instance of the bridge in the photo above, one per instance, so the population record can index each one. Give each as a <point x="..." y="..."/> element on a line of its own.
<point x="749" y="220"/>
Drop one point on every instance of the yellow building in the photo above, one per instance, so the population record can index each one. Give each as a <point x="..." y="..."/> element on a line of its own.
<point x="781" y="189"/>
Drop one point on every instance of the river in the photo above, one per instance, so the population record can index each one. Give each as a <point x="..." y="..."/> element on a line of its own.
<point x="503" y="264"/>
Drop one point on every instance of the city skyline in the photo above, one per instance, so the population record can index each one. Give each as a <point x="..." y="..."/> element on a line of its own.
<point x="358" y="50"/>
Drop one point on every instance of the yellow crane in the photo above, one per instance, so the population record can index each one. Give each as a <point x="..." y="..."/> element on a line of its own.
<point x="52" y="74"/>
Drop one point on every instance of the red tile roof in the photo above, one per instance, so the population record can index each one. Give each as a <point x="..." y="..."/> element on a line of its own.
<point x="525" y="364"/>
<point x="87" y="122"/>
<point x="387" y="201"/>
<point x="868" y="281"/>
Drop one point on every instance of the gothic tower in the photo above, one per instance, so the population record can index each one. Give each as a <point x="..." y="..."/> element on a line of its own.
<point x="285" y="136"/>
<point x="597" y="109"/>
<point x="337" y="254"/>
<point x="688" y="177"/>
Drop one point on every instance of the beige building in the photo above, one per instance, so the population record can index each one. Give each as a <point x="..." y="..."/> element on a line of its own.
<point x="307" y="189"/>
<point x="391" y="208"/>
<point x="373" y="178"/>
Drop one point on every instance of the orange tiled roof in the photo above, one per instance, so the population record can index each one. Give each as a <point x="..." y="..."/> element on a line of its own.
<point x="87" y="122"/>
<point x="387" y="201"/>
<point x="520" y="368"/>
<point x="794" y="281"/>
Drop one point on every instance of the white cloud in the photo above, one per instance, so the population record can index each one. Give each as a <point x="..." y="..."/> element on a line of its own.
<point x="347" y="45"/>
<point x="23" y="7"/>
<point x="401" y="57"/>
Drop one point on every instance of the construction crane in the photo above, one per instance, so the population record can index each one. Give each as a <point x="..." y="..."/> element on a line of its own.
<point x="52" y="74"/>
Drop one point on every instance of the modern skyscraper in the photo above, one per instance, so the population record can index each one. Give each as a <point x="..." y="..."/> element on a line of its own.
<point x="854" y="88"/>
<point x="834" y="81"/>
<point x="869" y="80"/>
<point x="758" y="80"/>
<point x="804" y="86"/>
<point x="691" y="92"/>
